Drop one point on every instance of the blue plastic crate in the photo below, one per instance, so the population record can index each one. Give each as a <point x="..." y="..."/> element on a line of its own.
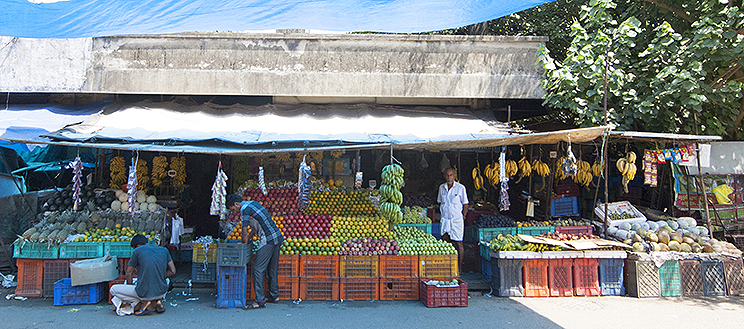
<point x="714" y="278"/>
<point x="611" y="277"/>
<point x="66" y="294"/>
<point x="231" y="286"/>
<point x="486" y="269"/>
<point x="203" y="273"/>
<point x="565" y="206"/>
<point x="435" y="230"/>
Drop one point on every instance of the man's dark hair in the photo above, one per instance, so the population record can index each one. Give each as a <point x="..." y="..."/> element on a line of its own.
<point x="231" y="199"/>
<point x="138" y="240"/>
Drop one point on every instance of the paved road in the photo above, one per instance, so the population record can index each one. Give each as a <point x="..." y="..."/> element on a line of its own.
<point x="483" y="312"/>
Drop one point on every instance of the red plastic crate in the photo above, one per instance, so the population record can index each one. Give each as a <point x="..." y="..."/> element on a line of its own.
<point x="433" y="296"/>
<point x="319" y="288"/>
<point x="289" y="266"/>
<point x="560" y="277"/>
<point x="120" y="280"/>
<point x="574" y="229"/>
<point x="438" y="266"/>
<point x="54" y="270"/>
<point x="586" y="277"/>
<point x="359" y="266"/>
<point x="319" y="266"/>
<point x="30" y="278"/>
<point x="734" y="271"/>
<point x="123" y="263"/>
<point x="359" y="289"/>
<point x="691" y="278"/>
<point x="399" y="289"/>
<point x="535" y="275"/>
<point x="398" y="266"/>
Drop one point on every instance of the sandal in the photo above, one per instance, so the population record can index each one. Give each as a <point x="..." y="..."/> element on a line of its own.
<point x="159" y="308"/>
<point x="256" y="305"/>
<point x="271" y="299"/>
<point x="143" y="312"/>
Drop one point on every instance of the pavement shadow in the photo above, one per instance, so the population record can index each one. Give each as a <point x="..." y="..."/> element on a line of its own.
<point x="712" y="303"/>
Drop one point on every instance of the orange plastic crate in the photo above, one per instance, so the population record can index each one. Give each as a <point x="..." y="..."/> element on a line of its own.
<point x="30" y="278"/>
<point x="586" y="277"/>
<point x="359" y="289"/>
<point x="289" y="289"/>
<point x="289" y="266"/>
<point x="359" y="266"/>
<point x="395" y="266"/>
<point x="438" y="266"/>
<point x="535" y="276"/>
<point x="319" y="288"/>
<point x="399" y="289"/>
<point x="433" y="296"/>
<point x="319" y="266"/>
<point x="560" y="277"/>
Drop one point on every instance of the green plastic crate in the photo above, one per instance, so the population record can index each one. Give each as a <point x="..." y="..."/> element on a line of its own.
<point x="423" y="227"/>
<point x="669" y="279"/>
<point x="485" y="252"/>
<point x="118" y="249"/>
<point x="535" y="230"/>
<point x="35" y="250"/>
<point x="486" y="234"/>
<point x="81" y="250"/>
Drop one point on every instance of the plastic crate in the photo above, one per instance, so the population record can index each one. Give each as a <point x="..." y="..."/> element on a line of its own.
<point x="714" y="278"/>
<point x="123" y="264"/>
<point x="359" y="266"/>
<point x="618" y="208"/>
<point x="81" y="250"/>
<point x="433" y="296"/>
<point x="399" y="266"/>
<point x="120" y="280"/>
<point x="54" y="270"/>
<point x="289" y="289"/>
<point x="438" y="266"/>
<point x="289" y="267"/>
<point x="669" y="280"/>
<point x="586" y="277"/>
<point x="734" y="270"/>
<point x="486" y="269"/>
<point x="231" y="286"/>
<point x="359" y="289"/>
<point x="35" y="250"/>
<point x="118" y="249"/>
<point x="319" y="288"/>
<point x="234" y="254"/>
<point x="399" y="289"/>
<point x="560" y="277"/>
<point x="203" y="273"/>
<point x="535" y="230"/>
<point x="574" y="229"/>
<point x="319" y="266"/>
<point x="611" y="278"/>
<point x="66" y="294"/>
<point x="691" y="278"/>
<point x="30" y="278"/>
<point x="642" y="279"/>
<point x="572" y="189"/>
<point x="199" y="255"/>
<point x="506" y="279"/>
<point x="487" y="234"/>
<point x="535" y="276"/>
<point x="485" y="251"/>
<point x="423" y="227"/>
<point x="565" y="206"/>
<point x="436" y="230"/>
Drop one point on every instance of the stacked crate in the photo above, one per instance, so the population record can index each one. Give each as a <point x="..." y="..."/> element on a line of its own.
<point x="204" y="263"/>
<point x="399" y="277"/>
<point x="359" y="277"/>
<point x="319" y="277"/>
<point x="231" y="274"/>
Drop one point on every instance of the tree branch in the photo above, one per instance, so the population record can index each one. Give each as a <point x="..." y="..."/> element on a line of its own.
<point x="677" y="11"/>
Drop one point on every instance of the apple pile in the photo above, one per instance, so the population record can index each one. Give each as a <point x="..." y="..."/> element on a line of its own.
<point x="278" y="201"/>
<point x="369" y="247"/>
<point x="306" y="226"/>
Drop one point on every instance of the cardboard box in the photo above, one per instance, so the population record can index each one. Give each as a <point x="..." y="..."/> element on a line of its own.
<point x="94" y="270"/>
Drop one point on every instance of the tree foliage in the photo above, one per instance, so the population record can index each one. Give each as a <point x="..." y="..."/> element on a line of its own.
<point x="676" y="69"/>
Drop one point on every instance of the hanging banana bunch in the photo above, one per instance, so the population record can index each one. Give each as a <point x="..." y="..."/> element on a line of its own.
<point x="543" y="170"/>
<point x="627" y="168"/>
<point x="597" y="168"/>
<point x="583" y="174"/>
<point x="159" y="164"/>
<point x="525" y="168"/>
<point x="559" y="174"/>
<point x="492" y="174"/>
<point x="477" y="178"/>
<point x="511" y="168"/>
<point x="118" y="172"/>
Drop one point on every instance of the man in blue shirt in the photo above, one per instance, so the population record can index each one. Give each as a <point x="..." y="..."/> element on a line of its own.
<point x="255" y="216"/>
<point x="154" y="265"/>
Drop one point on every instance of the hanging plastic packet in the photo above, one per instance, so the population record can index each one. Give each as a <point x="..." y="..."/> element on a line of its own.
<point x="303" y="185"/>
<point x="77" y="173"/>
<point x="676" y="155"/>
<point x="217" y="208"/>
<point x="504" y="202"/>
<point x="569" y="165"/>
<point x="261" y="181"/>
<point x="132" y="185"/>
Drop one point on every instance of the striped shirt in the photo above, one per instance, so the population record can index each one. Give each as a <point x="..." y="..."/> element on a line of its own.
<point x="253" y="209"/>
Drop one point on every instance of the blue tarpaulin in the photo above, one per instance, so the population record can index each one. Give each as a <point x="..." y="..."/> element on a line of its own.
<point x="95" y="18"/>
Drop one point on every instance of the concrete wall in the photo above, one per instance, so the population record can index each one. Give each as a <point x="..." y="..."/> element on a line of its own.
<point x="292" y="65"/>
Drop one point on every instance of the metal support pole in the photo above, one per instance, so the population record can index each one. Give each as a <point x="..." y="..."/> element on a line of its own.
<point x="701" y="181"/>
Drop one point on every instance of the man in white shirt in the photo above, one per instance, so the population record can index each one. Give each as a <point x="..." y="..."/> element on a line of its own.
<point x="453" y="201"/>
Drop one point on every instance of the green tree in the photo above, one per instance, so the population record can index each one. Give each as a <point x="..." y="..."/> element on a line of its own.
<point x="676" y="69"/>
